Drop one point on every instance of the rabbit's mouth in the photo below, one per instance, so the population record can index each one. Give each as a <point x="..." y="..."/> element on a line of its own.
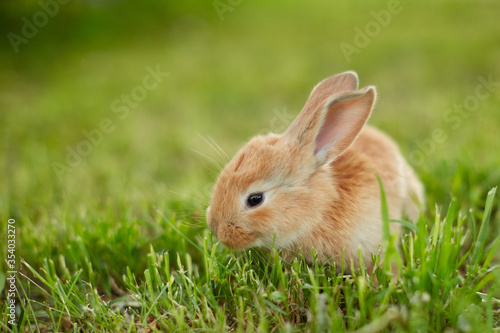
<point x="234" y="237"/>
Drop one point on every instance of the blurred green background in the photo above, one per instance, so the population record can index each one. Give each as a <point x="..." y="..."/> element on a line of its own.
<point x="235" y="69"/>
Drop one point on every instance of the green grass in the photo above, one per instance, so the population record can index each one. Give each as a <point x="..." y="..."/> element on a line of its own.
<point x="442" y="284"/>
<point x="120" y="242"/>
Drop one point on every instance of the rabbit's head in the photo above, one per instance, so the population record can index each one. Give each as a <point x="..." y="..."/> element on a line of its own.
<point x="278" y="186"/>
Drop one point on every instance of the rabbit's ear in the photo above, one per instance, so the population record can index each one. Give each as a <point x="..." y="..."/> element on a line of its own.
<point x="343" y="82"/>
<point x="333" y="126"/>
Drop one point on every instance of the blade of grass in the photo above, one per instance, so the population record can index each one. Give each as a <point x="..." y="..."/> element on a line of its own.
<point x="407" y="224"/>
<point x="483" y="231"/>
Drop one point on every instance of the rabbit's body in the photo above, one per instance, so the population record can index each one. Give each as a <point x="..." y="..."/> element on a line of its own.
<point x="356" y="194"/>
<point x="315" y="186"/>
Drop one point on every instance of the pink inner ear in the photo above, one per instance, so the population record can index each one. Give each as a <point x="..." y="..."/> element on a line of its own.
<point x="342" y="123"/>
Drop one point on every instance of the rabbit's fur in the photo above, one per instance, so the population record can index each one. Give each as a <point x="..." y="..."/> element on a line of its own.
<point x="318" y="181"/>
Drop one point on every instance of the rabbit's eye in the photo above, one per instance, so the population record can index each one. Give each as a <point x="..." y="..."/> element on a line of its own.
<point x="255" y="199"/>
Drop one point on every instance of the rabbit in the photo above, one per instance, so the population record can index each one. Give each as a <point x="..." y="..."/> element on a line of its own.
<point x="315" y="185"/>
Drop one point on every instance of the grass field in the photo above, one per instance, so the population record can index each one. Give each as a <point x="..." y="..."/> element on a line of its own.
<point x="110" y="117"/>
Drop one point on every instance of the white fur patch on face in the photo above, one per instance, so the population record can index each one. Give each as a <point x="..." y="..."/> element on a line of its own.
<point x="286" y="241"/>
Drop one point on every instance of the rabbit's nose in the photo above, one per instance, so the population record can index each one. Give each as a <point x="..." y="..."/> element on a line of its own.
<point x="208" y="216"/>
<point x="214" y="225"/>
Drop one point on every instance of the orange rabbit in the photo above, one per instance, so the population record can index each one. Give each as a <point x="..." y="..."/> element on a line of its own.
<point x="315" y="185"/>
